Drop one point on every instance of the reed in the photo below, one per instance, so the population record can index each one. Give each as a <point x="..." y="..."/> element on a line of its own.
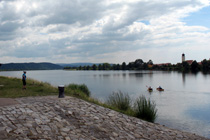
<point x="145" y="109"/>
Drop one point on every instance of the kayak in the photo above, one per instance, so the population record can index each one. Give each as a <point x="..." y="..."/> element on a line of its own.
<point x="150" y="89"/>
<point x="160" y="89"/>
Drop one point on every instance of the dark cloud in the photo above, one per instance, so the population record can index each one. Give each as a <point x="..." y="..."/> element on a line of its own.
<point x="9" y="27"/>
<point x="70" y="12"/>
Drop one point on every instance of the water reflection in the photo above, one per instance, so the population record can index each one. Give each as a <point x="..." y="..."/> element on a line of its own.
<point x="117" y="74"/>
<point x="124" y="75"/>
<point x="183" y="78"/>
<point x="136" y="75"/>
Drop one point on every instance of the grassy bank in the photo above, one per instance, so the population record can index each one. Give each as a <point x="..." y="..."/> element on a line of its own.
<point x="12" y="88"/>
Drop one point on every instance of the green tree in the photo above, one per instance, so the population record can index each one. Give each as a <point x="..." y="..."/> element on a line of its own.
<point x="195" y="66"/>
<point x="138" y="64"/>
<point x="205" y="65"/>
<point x="106" y="66"/>
<point x="99" y="67"/>
<point x="80" y="68"/>
<point x="94" y="67"/>
<point x="131" y="65"/>
<point x="114" y="67"/>
<point x="84" y="67"/>
<point x="123" y="66"/>
<point x="150" y="62"/>
<point x="118" y="67"/>
<point x="186" y="66"/>
<point x="145" y="66"/>
<point x="88" y="68"/>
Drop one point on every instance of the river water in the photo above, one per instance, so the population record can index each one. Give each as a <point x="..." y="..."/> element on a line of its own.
<point x="184" y="105"/>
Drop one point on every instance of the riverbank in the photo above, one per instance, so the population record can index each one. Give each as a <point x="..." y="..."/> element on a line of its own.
<point x="50" y="117"/>
<point x="11" y="88"/>
<point x="38" y="89"/>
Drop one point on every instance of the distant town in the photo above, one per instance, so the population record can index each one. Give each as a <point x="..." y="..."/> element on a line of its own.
<point x="139" y="64"/>
<point x="182" y="60"/>
<point x="183" y="66"/>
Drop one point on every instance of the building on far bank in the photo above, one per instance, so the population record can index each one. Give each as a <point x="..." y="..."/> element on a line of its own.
<point x="188" y="61"/>
<point x="163" y="64"/>
<point x="183" y="57"/>
<point x="200" y="63"/>
<point x="150" y="65"/>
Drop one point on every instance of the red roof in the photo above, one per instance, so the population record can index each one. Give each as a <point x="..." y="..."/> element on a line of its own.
<point x="189" y="61"/>
<point x="163" y="64"/>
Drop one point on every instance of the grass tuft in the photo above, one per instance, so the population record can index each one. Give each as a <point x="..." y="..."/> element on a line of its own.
<point x="145" y="109"/>
<point x="119" y="100"/>
<point x="75" y="89"/>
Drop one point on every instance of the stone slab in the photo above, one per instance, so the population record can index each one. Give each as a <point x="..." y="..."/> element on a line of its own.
<point x="7" y="101"/>
<point x="50" y="117"/>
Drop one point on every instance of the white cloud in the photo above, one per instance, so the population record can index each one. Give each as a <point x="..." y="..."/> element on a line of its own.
<point x="99" y="31"/>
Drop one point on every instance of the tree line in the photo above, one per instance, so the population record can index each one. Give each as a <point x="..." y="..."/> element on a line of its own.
<point x="139" y="64"/>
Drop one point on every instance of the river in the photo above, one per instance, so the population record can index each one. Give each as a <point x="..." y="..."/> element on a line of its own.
<point x="184" y="105"/>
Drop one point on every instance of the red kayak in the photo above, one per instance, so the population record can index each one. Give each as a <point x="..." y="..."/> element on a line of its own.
<point x="160" y="89"/>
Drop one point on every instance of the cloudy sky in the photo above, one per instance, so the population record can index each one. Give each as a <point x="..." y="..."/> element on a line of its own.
<point x="114" y="31"/>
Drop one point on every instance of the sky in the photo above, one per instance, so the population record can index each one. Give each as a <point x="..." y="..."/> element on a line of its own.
<point x="99" y="31"/>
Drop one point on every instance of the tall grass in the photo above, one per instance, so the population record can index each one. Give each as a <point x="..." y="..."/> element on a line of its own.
<point x="142" y="108"/>
<point x="145" y="109"/>
<point x="78" y="90"/>
<point x="119" y="100"/>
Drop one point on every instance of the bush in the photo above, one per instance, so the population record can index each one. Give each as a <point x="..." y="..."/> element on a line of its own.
<point x="119" y="100"/>
<point x="145" y="109"/>
<point x="83" y="88"/>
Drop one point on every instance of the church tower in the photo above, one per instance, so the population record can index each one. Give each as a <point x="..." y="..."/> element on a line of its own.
<point x="183" y="57"/>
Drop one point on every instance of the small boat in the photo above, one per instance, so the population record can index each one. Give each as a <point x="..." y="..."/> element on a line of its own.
<point x="160" y="89"/>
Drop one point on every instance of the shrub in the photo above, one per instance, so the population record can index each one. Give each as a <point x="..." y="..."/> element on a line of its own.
<point x="119" y="100"/>
<point x="145" y="109"/>
<point x="83" y="88"/>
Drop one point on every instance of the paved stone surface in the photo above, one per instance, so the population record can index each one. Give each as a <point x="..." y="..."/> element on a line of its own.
<point x="7" y="101"/>
<point x="69" y="118"/>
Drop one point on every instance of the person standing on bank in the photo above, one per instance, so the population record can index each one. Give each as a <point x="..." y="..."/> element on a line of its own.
<point x="24" y="79"/>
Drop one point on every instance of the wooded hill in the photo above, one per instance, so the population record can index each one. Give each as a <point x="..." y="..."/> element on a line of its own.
<point x="30" y="66"/>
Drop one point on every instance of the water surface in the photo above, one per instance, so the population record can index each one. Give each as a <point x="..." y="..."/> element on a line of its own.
<point x="184" y="105"/>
